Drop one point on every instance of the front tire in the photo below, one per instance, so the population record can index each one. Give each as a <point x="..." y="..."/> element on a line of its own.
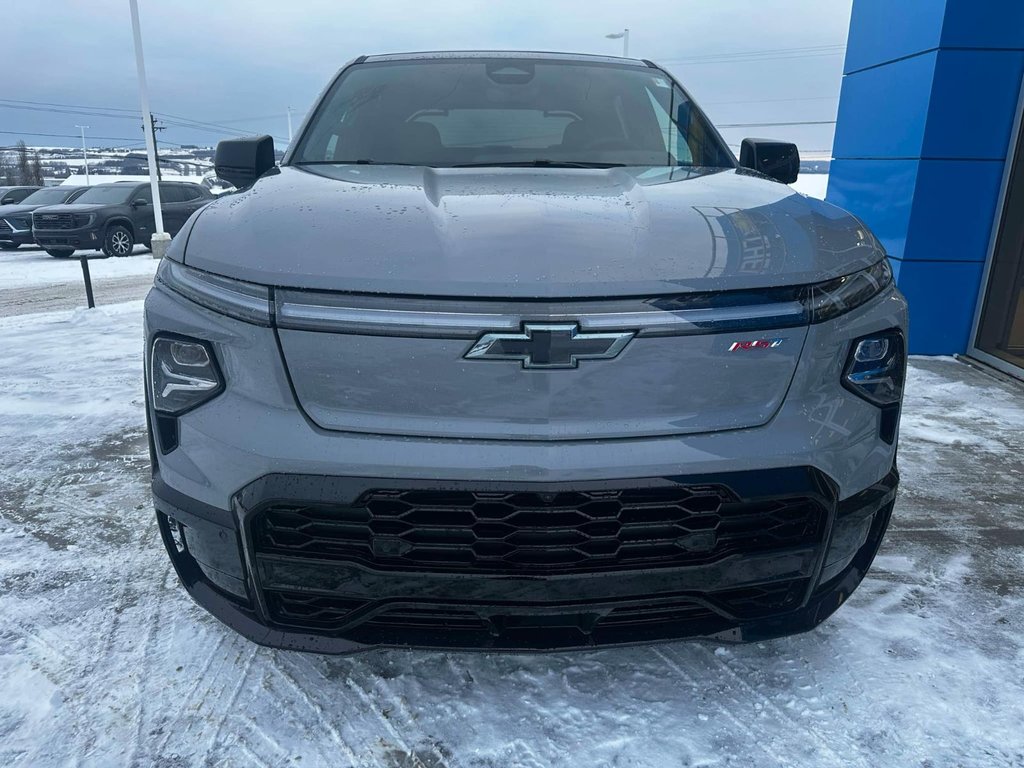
<point x="60" y="253"/>
<point x="118" y="241"/>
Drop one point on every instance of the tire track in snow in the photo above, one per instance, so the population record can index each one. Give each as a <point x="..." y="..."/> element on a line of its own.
<point x="397" y="703"/>
<point x="227" y="709"/>
<point x="280" y="665"/>
<point x="756" y="738"/>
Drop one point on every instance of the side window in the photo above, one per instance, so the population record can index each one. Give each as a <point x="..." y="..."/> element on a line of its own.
<point x="190" y="192"/>
<point x="170" y="193"/>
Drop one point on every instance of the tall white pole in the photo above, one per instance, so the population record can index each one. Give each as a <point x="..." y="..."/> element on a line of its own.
<point x="289" y="126"/>
<point x="85" y="155"/>
<point x="147" y="119"/>
<point x="625" y="43"/>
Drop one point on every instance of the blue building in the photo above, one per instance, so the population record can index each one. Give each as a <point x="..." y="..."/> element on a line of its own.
<point x="928" y="152"/>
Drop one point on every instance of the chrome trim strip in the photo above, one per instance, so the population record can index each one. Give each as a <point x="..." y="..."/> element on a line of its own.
<point x="366" y="321"/>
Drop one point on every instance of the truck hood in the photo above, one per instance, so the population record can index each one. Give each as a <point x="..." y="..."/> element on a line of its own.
<point x="524" y="232"/>
<point x="73" y="207"/>
<point x="20" y="208"/>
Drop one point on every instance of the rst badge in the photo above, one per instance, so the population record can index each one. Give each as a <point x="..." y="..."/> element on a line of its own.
<point x="743" y="346"/>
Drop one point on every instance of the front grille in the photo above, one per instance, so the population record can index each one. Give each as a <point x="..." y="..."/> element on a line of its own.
<point x="446" y="625"/>
<point x="527" y="531"/>
<point x="53" y="221"/>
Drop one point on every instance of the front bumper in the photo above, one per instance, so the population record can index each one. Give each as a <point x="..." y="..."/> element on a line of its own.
<point x="312" y="601"/>
<point x="81" y="238"/>
<point x="15" y="236"/>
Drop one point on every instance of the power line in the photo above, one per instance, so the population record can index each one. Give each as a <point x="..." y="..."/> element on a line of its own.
<point x="759" y="56"/>
<point x="774" y="125"/>
<point x="55" y="110"/>
<point x="74" y="106"/>
<point x="75" y="136"/>
<point x="770" y="101"/>
<point x="800" y="50"/>
<point x="79" y="109"/>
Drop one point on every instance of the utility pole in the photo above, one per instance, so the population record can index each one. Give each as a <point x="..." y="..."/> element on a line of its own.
<point x="153" y="127"/>
<point x="160" y="238"/>
<point x="289" y="126"/>
<point x="85" y="155"/>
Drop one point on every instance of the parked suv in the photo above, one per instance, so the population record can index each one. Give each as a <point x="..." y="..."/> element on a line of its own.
<point x="510" y="352"/>
<point x="16" y="220"/>
<point x="114" y="217"/>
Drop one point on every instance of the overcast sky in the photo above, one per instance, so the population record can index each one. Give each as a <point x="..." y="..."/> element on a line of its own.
<point x="229" y="61"/>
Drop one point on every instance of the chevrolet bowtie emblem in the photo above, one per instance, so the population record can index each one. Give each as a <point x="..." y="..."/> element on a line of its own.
<point x="541" y="345"/>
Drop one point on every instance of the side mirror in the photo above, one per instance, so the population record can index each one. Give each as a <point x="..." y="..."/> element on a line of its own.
<point x="7" y="201"/>
<point x="778" y="159"/>
<point x="242" y="161"/>
<point x="139" y="203"/>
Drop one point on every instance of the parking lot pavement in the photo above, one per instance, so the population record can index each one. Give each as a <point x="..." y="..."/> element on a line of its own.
<point x="104" y="660"/>
<point x="32" y="281"/>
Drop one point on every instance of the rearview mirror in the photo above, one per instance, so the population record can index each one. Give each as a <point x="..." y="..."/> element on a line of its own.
<point x="778" y="159"/>
<point x="242" y="161"/>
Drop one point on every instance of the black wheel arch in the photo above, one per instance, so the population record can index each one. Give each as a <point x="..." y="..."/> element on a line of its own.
<point x="122" y="221"/>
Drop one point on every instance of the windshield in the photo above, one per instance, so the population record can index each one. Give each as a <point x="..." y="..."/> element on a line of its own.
<point x="507" y="111"/>
<point x="48" y="196"/>
<point x="107" y="193"/>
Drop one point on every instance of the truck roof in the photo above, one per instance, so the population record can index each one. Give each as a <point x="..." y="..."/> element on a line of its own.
<point x="582" y="57"/>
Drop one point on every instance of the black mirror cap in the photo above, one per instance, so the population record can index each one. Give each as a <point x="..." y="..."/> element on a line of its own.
<point x="778" y="159"/>
<point x="242" y="161"/>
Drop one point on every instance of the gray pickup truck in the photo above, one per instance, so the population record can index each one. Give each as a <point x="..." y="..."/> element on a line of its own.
<point x="510" y="352"/>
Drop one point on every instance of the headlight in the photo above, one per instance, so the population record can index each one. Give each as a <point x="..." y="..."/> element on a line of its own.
<point x="243" y="301"/>
<point x="183" y="374"/>
<point x="83" y="219"/>
<point x="827" y="300"/>
<point x="876" y="368"/>
<point x="19" y="222"/>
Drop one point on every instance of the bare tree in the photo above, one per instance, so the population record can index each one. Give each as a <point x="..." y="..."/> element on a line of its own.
<point x="8" y="173"/>
<point x="37" y="170"/>
<point x="24" y="164"/>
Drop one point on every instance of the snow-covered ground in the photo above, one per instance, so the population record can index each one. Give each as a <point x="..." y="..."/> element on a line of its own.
<point x="105" y="661"/>
<point x="27" y="267"/>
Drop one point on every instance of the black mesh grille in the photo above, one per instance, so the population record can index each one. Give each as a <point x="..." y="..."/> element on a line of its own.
<point x="569" y="531"/>
<point x="467" y="626"/>
<point x="53" y="220"/>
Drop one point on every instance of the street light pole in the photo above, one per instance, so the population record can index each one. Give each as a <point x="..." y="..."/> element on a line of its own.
<point x="624" y="36"/>
<point x="85" y="155"/>
<point x="160" y="238"/>
<point x="289" y="126"/>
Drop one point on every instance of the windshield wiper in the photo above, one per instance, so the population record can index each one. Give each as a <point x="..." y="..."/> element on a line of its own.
<point x="539" y="164"/>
